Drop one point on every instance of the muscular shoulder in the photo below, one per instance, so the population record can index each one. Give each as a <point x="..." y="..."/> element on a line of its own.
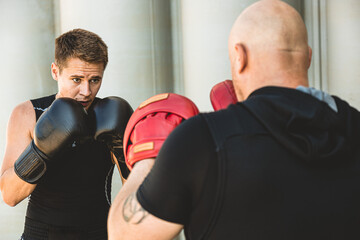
<point x="24" y="108"/>
<point x="23" y="118"/>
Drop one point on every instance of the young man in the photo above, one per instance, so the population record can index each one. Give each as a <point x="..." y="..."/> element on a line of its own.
<point x="284" y="163"/>
<point x="58" y="146"/>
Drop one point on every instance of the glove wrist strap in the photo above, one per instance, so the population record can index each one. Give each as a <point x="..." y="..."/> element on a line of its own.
<point x="30" y="166"/>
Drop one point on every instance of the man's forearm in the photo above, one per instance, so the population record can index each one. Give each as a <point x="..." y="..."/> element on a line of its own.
<point x="13" y="189"/>
<point x="124" y="210"/>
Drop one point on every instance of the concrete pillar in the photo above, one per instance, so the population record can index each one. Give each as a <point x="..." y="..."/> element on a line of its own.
<point x="205" y="29"/>
<point x="27" y="49"/>
<point x="138" y="34"/>
<point x="343" y="49"/>
<point x="314" y="15"/>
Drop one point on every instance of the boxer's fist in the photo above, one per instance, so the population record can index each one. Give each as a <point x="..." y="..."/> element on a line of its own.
<point x="111" y="117"/>
<point x="222" y="95"/>
<point x="62" y="124"/>
<point x="151" y="124"/>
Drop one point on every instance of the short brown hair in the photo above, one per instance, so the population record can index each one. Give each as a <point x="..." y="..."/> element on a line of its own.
<point x="82" y="44"/>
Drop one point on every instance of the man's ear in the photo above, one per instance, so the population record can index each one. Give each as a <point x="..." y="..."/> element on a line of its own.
<point x="241" y="57"/>
<point x="310" y="56"/>
<point x="54" y="71"/>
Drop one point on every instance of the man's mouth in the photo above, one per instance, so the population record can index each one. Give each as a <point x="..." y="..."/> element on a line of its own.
<point x="85" y="103"/>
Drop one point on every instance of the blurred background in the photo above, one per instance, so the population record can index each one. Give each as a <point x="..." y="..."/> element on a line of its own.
<point x="157" y="46"/>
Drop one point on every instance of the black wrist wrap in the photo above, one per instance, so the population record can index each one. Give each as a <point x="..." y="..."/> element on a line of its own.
<point x="30" y="166"/>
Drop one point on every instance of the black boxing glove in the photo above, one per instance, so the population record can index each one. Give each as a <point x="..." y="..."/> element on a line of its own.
<point x="64" y="122"/>
<point x="111" y="117"/>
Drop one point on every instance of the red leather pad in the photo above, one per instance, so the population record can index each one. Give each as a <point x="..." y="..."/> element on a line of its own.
<point x="154" y="119"/>
<point x="222" y="95"/>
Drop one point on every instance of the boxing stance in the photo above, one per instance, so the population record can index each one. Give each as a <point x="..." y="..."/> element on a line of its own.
<point x="282" y="163"/>
<point x="60" y="147"/>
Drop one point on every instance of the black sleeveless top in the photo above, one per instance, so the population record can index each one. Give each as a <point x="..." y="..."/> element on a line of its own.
<point x="74" y="193"/>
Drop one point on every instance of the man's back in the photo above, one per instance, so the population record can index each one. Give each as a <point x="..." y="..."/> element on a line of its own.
<point x="289" y="168"/>
<point x="280" y="165"/>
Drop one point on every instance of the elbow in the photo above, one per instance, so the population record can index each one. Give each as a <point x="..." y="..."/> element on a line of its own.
<point x="12" y="202"/>
<point x="7" y="197"/>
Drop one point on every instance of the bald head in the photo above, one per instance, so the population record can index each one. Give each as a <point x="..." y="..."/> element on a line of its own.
<point x="268" y="46"/>
<point x="270" y="24"/>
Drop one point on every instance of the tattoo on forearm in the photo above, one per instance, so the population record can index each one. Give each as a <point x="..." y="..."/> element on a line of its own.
<point x="133" y="211"/>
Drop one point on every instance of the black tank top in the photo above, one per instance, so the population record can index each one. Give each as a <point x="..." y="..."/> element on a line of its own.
<point x="75" y="191"/>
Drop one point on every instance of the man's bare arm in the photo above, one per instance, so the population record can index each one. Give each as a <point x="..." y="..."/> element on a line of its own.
<point x="127" y="218"/>
<point x="19" y="135"/>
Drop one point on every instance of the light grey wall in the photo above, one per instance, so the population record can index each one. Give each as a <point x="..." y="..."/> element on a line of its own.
<point x="205" y="29"/>
<point x="343" y="49"/>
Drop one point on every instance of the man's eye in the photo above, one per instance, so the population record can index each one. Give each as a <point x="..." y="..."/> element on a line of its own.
<point x="95" y="80"/>
<point x="77" y="80"/>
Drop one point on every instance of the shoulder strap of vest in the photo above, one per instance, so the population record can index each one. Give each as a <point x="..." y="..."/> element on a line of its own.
<point x="222" y="126"/>
<point x="41" y="104"/>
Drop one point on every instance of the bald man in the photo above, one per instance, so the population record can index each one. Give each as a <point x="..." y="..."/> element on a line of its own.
<point x="282" y="163"/>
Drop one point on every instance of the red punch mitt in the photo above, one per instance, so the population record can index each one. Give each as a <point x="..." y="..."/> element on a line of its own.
<point x="152" y="122"/>
<point x="222" y="95"/>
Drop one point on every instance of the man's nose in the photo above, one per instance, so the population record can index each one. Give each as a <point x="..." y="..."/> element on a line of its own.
<point x="85" y="89"/>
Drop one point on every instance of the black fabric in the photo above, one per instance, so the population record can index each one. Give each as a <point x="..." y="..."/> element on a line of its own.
<point x="180" y="186"/>
<point x="39" y="231"/>
<point x="303" y="124"/>
<point x="41" y="104"/>
<point x="286" y="167"/>
<point x="74" y="191"/>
